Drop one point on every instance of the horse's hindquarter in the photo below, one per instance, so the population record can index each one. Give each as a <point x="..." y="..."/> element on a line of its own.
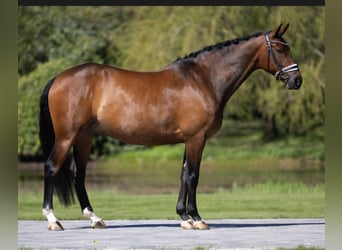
<point x="151" y="108"/>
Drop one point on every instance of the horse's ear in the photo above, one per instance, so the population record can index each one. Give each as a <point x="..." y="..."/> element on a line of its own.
<point x="281" y="30"/>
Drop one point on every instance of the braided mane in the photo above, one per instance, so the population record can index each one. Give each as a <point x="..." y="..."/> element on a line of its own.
<point x="220" y="46"/>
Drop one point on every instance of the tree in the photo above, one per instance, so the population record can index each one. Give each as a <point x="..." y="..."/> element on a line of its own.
<point x="51" y="39"/>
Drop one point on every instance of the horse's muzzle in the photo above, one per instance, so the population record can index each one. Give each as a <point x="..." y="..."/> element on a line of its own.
<point x="294" y="82"/>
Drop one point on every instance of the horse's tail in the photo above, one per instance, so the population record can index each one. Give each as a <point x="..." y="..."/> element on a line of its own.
<point x="46" y="133"/>
<point x="63" y="180"/>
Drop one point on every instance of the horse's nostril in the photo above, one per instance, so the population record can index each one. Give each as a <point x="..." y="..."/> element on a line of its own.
<point x="298" y="82"/>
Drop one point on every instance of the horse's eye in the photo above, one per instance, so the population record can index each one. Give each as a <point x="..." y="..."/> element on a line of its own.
<point x="280" y="50"/>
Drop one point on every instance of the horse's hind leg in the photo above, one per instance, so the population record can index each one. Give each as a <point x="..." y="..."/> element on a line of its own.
<point x="53" y="222"/>
<point x="56" y="160"/>
<point x="81" y="154"/>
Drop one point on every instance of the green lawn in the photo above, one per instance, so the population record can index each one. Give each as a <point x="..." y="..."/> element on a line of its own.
<point x="240" y="177"/>
<point x="269" y="200"/>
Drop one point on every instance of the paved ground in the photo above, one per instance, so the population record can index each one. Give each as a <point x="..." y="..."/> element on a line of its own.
<point x="167" y="234"/>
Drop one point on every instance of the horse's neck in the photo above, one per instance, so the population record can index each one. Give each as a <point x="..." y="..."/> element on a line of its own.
<point x="229" y="67"/>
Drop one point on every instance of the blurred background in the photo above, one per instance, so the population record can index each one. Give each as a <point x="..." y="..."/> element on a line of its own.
<point x="269" y="135"/>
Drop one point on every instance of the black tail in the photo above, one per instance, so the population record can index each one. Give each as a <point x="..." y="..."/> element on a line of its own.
<point x="46" y="133"/>
<point x="63" y="180"/>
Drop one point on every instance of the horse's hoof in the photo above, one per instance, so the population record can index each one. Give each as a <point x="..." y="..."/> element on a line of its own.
<point x="200" y="225"/>
<point x="98" y="224"/>
<point x="187" y="224"/>
<point x="55" y="226"/>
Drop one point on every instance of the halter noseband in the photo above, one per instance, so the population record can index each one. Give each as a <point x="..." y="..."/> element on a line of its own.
<point x="281" y="70"/>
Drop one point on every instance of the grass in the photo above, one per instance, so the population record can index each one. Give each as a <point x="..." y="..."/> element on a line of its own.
<point x="241" y="177"/>
<point x="269" y="200"/>
<point x="301" y="248"/>
<point x="237" y="155"/>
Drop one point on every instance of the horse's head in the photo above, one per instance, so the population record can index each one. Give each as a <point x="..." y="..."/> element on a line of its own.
<point x="276" y="58"/>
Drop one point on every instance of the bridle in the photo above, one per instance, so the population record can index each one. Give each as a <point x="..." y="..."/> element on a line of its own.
<point x="281" y="70"/>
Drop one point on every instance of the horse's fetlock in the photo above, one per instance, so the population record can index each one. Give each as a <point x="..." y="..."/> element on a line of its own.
<point x="89" y="213"/>
<point x="48" y="213"/>
<point x="192" y="211"/>
<point x="180" y="210"/>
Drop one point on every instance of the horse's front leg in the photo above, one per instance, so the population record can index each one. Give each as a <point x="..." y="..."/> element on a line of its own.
<point x="187" y="222"/>
<point x="190" y="176"/>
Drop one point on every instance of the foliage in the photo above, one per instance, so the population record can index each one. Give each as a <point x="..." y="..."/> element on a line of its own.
<point x="51" y="39"/>
<point x="48" y="37"/>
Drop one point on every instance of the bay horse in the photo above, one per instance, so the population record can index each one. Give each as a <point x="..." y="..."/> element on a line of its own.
<point x="181" y="103"/>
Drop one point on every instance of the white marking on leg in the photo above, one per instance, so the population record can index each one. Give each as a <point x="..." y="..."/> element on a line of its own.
<point x="48" y="213"/>
<point x="91" y="215"/>
<point x="187" y="224"/>
<point x="200" y="225"/>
